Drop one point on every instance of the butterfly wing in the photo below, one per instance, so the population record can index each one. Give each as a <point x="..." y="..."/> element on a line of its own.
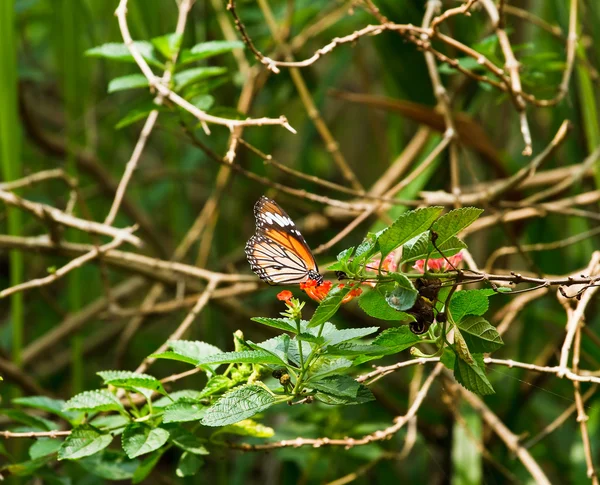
<point x="278" y="253"/>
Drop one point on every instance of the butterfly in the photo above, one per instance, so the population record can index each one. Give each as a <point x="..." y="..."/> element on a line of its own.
<point x="278" y="253"/>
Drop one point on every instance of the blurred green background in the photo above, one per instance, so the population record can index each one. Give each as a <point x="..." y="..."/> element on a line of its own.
<point x="55" y="112"/>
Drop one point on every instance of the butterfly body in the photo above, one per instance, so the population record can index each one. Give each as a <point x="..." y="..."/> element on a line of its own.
<point x="278" y="253"/>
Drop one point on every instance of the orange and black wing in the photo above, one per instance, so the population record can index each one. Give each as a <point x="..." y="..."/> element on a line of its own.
<point x="278" y="253"/>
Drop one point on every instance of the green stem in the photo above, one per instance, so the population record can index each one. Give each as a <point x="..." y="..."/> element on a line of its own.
<point x="10" y="155"/>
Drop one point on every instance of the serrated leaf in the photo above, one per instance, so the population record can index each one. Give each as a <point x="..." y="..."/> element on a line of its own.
<point x="119" y="52"/>
<point x="216" y="384"/>
<point x="364" y="395"/>
<point x="84" y="440"/>
<point x="374" y="304"/>
<point x="403" y="295"/>
<point x="448" y="358"/>
<point x="190" y="76"/>
<point x="479" y="335"/>
<point x="96" y="400"/>
<point x="406" y="227"/>
<point x="111" y="465"/>
<point x="248" y="427"/>
<point x="335" y="336"/>
<point x="167" y="44"/>
<point x="397" y="338"/>
<point x="113" y="422"/>
<point x="187" y="441"/>
<point x="244" y="357"/>
<point x="329" y="306"/>
<point x="472" y="376"/>
<point x="131" y="81"/>
<point x="189" y="395"/>
<point x="209" y="49"/>
<point x="44" y="447"/>
<point x="240" y="403"/>
<point x="193" y="349"/>
<point x="188" y="465"/>
<point x="421" y="247"/>
<point x="469" y="302"/>
<point x="352" y="349"/>
<point x="277" y="346"/>
<point x="339" y="385"/>
<point x="170" y="355"/>
<point x="327" y="365"/>
<point x="53" y="406"/>
<point x="146" y="466"/>
<point x="183" y="411"/>
<point x="139" y="439"/>
<point x="286" y="324"/>
<point x="131" y="380"/>
<point x="453" y="222"/>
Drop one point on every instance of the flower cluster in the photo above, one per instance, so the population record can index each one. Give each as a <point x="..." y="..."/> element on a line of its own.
<point x="439" y="265"/>
<point x="319" y="292"/>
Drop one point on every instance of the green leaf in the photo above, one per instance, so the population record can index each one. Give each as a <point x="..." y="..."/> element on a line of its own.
<point x="170" y="355"/>
<point x="190" y="76"/>
<point x="448" y="358"/>
<point x="44" y="403"/>
<point x="35" y="422"/>
<point x="364" y="395"/>
<point x="188" y="465"/>
<point x="404" y="294"/>
<point x="244" y="357"/>
<point x="167" y="44"/>
<point x="115" y="423"/>
<point x="139" y="438"/>
<point x="339" y="385"/>
<point x="209" y="49"/>
<point x="111" y="465"/>
<point x="131" y="380"/>
<point x="96" y="400"/>
<point x="327" y="365"/>
<point x="406" y="227"/>
<point x="397" y="338"/>
<point x="187" y="441"/>
<point x="334" y="337"/>
<point x="195" y="350"/>
<point x="472" y="376"/>
<point x="286" y="324"/>
<point x="183" y="411"/>
<point x="203" y="101"/>
<point x="138" y="113"/>
<point x="240" y="403"/>
<point x="421" y="246"/>
<point x="85" y="440"/>
<point x="147" y="465"/>
<point x="189" y="395"/>
<point x="276" y="346"/>
<point x="248" y="427"/>
<point x="26" y="468"/>
<point x="216" y="384"/>
<point x="350" y="349"/>
<point x="44" y="447"/>
<point x="131" y="81"/>
<point x="469" y="302"/>
<point x="119" y="52"/>
<point x="374" y="304"/>
<point x="479" y="335"/>
<point x="329" y="306"/>
<point x="453" y="222"/>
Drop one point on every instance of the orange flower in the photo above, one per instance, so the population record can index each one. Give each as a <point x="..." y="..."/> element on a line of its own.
<point x="285" y="295"/>
<point x="319" y="292"/>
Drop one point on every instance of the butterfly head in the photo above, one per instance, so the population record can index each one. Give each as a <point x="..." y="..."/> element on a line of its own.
<point x="315" y="276"/>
